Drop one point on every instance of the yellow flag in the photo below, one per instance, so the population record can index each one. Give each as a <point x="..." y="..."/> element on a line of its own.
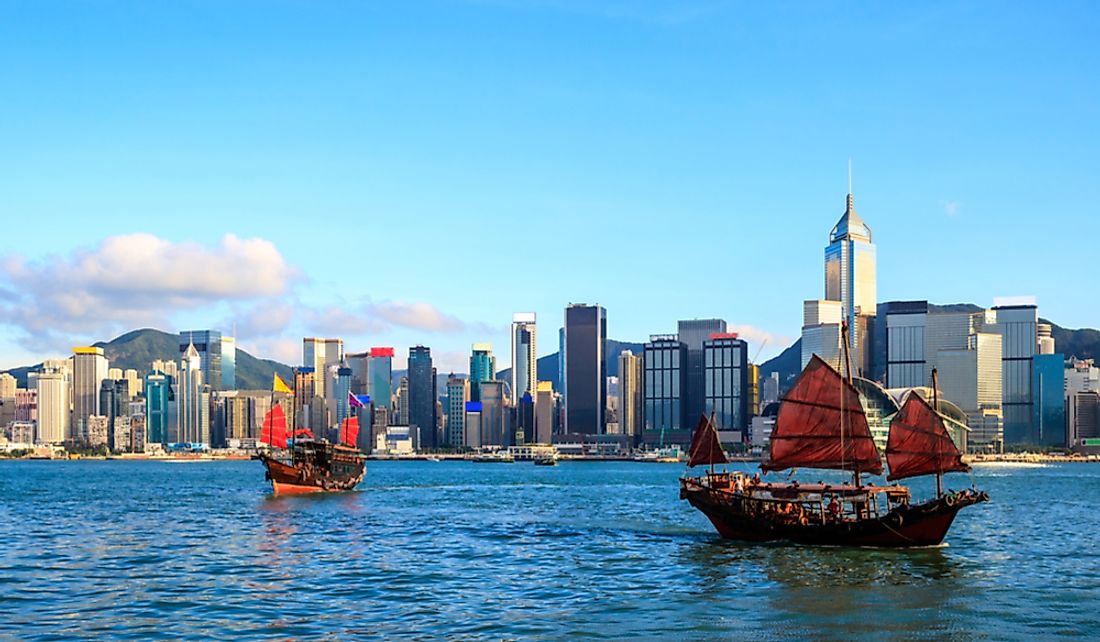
<point x="280" y="386"/>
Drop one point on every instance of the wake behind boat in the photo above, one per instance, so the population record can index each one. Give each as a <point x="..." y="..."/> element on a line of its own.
<point x="821" y="424"/>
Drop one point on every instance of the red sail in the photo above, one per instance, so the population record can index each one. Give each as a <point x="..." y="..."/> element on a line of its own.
<point x="919" y="443"/>
<point x="303" y="433"/>
<point x="274" y="427"/>
<point x="821" y="425"/>
<point x="350" y="431"/>
<point x="705" y="447"/>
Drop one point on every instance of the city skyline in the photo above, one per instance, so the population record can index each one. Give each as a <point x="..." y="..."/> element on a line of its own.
<point x="180" y="198"/>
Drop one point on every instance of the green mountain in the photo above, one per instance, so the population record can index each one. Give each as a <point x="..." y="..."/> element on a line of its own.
<point x="139" y="348"/>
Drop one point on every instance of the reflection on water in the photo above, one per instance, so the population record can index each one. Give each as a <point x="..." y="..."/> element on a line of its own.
<point x="145" y="549"/>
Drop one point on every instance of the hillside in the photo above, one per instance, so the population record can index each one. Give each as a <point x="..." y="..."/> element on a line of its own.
<point x="139" y="348"/>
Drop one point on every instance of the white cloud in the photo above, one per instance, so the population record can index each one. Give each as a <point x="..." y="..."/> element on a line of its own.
<point x="131" y="281"/>
<point x="757" y="339"/>
<point x="418" y="316"/>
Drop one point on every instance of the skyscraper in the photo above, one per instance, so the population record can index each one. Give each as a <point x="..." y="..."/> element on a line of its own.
<point x="320" y="354"/>
<point x="630" y="394"/>
<point x="114" y="402"/>
<point x="53" y="406"/>
<point x="821" y="332"/>
<point x="194" y="399"/>
<point x="343" y="389"/>
<point x="585" y="369"/>
<point x="904" y="344"/>
<point x="665" y="378"/>
<point x="1017" y="322"/>
<point x="726" y="385"/>
<point x="422" y="396"/>
<point x="157" y="393"/>
<point x="458" y="393"/>
<point x="851" y="279"/>
<point x="483" y="367"/>
<point x="493" y="431"/>
<point x="524" y="355"/>
<point x="89" y="370"/>
<point x="208" y="343"/>
<point x="229" y="363"/>
<point x="545" y="408"/>
<point x="380" y="377"/>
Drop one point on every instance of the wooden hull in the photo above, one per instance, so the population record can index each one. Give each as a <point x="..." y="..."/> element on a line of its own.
<point x="296" y="479"/>
<point x="737" y="516"/>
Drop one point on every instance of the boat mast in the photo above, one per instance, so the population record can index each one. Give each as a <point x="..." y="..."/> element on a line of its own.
<point x="936" y="407"/>
<point x="844" y="419"/>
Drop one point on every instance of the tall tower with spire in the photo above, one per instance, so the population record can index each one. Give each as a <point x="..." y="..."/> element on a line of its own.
<point x="850" y="278"/>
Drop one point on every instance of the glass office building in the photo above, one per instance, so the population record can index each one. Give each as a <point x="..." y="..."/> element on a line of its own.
<point x="726" y="382"/>
<point x="208" y="343"/>
<point x="585" y="369"/>
<point x="665" y="379"/>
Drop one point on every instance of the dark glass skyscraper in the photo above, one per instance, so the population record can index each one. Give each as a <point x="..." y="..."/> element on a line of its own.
<point x="665" y="379"/>
<point x="422" y="396"/>
<point x="208" y="343"/>
<point x="585" y="369"/>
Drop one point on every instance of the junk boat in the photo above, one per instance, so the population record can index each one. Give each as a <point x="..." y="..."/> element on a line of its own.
<point x="821" y="424"/>
<point x="307" y="465"/>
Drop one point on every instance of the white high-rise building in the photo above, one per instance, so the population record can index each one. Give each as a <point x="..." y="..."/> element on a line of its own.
<point x="194" y="400"/>
<point x="90" y="368"/>
<point x="320" y="354"/>
<point x="971" y="378"/>
<point x="524" y="356"/>
<point x="53" y="406"/>
<point x="7" y="386"/>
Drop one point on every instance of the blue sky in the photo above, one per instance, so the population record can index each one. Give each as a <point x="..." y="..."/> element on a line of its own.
<point x="402" y="173"/>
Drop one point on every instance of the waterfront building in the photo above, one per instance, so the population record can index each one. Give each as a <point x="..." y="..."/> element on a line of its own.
<point x="320" y="354"/>
<point x="1017" y="323"/>
<point x="89" y="370"/>
<point x="1083" y="419"/>
<point x="769" y="392"/>
<point x="229" y="363"/>
<point x="340" y="396"/>
<point x="310" y="410"/>
<point x="52" y="389"/>
<point x="726" y="385"/>
<point x="114" y="402"/>
<point x="19" y="432"/>
<point x="493" y="428"/>
<point x="524" y="411"/>
<point x="194" y="399"/>
<point x="483" y="367"/>
<point x="904" y="343"/>
<point x="359" y="363"/>
<point x="422" y="397"/>
<point x="1048" y="386"/>
<point x="821" y="332"/>
<point x="26" y="404"/>
<point x="208" y="345"/>
<point x="631" y="400"/>
<point x="157" y="406"/>
<point x="380" y="377"/>
<point x="458" y="393"/>
<point x="585" y="378"/>
<point x="971" y="378"/>
<point x="546" y="409"/>
<point x="96" y="431"/>
<point x="664" y="379"/>
<point x="137" y="433"/>
<point x="524" y="355"/>
<point x="402" y="410"/>
<point x="561" y="366"/>
<point x="850" y="278"/>
<point x="472" y="425"/>
<point x="693" y="333"/>
<point x="120" y="437"/>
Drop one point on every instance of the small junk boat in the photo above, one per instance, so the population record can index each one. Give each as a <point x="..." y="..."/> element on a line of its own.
<point x="308" y="465"/>
<point x="821" y="424"/>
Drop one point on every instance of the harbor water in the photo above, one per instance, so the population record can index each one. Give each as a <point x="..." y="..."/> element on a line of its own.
<point x="424" y="550"/>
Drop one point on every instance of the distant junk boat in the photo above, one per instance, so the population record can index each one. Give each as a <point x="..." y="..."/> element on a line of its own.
<point x="308" y="465"/>
<point x="821" y="425"/>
